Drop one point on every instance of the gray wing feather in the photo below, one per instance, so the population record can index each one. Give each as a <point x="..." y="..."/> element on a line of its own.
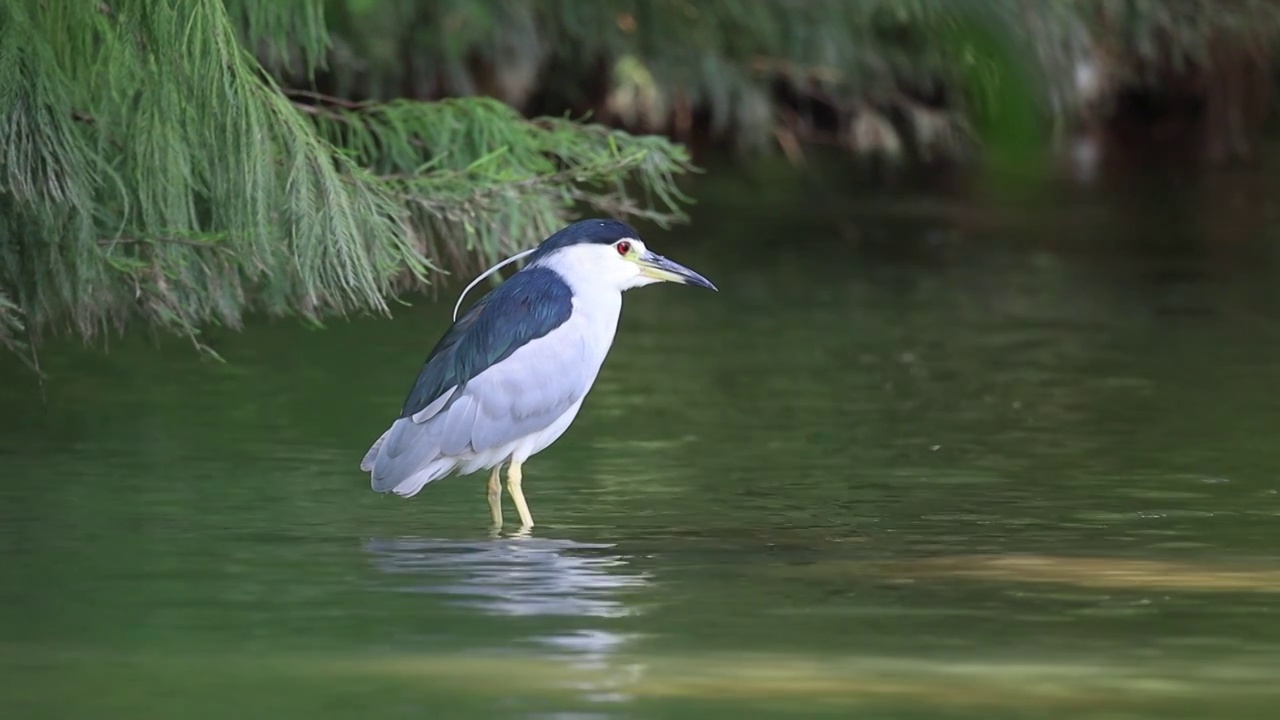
<point x="456" y="424"/>
<point x="530" y="391"/>
<point x="406" y="448"/>
<point x="522" y="395"/>
<point x="430" y="411"/>
<point x="392" y="466"/>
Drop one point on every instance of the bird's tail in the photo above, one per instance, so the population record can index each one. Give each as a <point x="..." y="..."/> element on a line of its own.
<point x="403" y="461"/>
<point x="372" y="456"/>
<point x="411" y="485"/>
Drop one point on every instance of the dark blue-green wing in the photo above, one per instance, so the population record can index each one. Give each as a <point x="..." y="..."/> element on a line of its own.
<point x="529" y="305"/>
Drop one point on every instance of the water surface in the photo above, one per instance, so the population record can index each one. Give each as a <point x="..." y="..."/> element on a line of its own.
<point x="988" y="452"/>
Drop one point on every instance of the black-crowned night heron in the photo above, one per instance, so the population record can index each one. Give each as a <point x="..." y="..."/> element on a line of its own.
<point x="508" y="377"/>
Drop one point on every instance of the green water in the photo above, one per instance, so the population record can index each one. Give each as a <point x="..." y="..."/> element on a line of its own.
<point x="993" y="451"/>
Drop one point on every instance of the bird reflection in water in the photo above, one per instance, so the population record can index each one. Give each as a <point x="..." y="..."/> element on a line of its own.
<point x="526" y="577"/>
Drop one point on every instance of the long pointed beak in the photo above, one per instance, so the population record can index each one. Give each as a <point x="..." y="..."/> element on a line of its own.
<point x="659" y="268"/>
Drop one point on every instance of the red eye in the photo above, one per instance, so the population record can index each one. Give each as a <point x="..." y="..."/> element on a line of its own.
<point x="624" y="247"/>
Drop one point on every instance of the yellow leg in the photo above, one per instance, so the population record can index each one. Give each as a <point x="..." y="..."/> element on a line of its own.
<point x="495" y="495"/>
<point x="517" y="495"/>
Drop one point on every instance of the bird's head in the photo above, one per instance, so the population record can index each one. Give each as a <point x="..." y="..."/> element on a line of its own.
<point x="610" y="252"/>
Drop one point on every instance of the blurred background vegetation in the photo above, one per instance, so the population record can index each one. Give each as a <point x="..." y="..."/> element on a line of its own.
<point x="184" y="162"/>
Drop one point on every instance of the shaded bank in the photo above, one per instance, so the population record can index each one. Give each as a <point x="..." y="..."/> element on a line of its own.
<point x="917" y="80"/>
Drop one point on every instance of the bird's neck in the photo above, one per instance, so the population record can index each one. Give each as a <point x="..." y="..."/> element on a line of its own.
<point x="597" y="302"/>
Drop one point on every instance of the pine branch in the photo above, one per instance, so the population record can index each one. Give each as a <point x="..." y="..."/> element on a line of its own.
<point x="138" y="140"/>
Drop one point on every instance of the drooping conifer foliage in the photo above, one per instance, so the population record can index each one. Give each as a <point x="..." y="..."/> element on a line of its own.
<point x="150" y="169"/>
<point x="182" y="162"/>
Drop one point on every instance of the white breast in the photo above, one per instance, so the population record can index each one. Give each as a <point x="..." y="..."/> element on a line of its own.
<point x="597" y="302"/>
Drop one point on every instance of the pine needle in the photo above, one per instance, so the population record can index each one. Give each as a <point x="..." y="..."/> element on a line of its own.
<point x="151" y="170"/>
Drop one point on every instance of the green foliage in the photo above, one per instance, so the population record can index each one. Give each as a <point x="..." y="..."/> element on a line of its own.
<point x="474" y="169"/>
<point x="157" y="162"/>
<point x="152" y="170"/>
<point x="720" y="54"/>
<point x="988" y="57"/>
<point x="1182" y="31"/>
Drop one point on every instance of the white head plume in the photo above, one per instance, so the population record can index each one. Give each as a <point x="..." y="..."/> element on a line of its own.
<point x="486" y="274"/>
